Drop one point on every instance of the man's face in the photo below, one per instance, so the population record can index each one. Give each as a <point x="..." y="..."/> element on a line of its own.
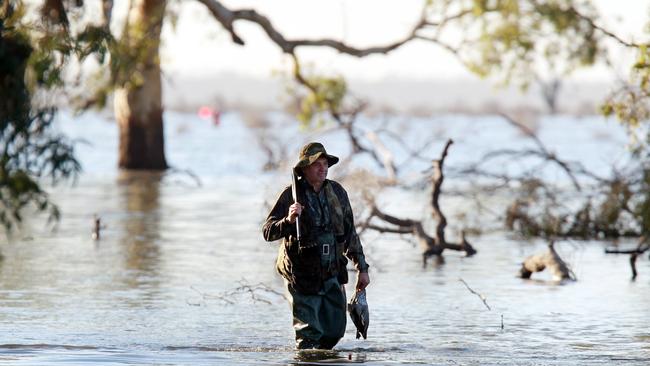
<point x="317" y="171"/>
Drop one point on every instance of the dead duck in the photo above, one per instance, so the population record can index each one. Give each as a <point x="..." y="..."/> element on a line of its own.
<point x="359" y="313"/>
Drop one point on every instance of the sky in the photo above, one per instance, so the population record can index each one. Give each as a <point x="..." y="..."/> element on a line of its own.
<point x="198" y="46"/>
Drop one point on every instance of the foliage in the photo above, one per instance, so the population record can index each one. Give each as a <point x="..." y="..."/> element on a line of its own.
<point x="514" y="40"/>
<point x="29" y="149"/>
<point x="322" y="95"/>
<point x="39" y="59"/>
<point x="630" y="103"/>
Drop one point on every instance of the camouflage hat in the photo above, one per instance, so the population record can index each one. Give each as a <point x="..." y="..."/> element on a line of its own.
<point x="311" y="152"/>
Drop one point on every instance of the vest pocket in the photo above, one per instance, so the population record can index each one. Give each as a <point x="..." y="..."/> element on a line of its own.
<point x="301" y="268"/>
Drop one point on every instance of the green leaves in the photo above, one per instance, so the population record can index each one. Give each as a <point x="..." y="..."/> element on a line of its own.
<point x="630" y="103"/>
<point x="94" y="40"/>
<point x="325" y="94"/>
<point x="316" y="96"/>
<point x="29" y="150"/>
<point x="514" y="39"/>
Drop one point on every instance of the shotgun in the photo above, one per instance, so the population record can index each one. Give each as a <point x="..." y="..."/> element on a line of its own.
<point x="294" y="193"/>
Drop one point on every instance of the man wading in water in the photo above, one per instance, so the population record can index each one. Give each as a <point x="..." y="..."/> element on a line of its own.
<point x="315" y="265"/>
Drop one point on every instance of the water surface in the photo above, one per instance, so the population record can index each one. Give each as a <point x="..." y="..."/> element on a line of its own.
<point x="154" y="289"/>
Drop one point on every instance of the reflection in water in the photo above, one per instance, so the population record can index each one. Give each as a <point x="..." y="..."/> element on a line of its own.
<point x="139" y="195"/>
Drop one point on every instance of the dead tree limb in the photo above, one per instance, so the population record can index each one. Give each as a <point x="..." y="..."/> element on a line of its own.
<point x="436" y="179"/>
<point x="431" y="245"/>
<point x="386" y="156"/>
<point x="412" y="153"/>
<point x="549" y="259"/>
<point x="641" y="248"/>
<point x="228" y="17"/>
<point x="543" y="150"/>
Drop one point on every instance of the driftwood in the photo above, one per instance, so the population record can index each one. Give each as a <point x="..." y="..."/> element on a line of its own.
<point x="551" y="260"/>
<point x="431" y="245"/>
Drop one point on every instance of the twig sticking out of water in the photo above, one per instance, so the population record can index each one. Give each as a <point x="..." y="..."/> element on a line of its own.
<point x="252" y="290"/>
<point x="205" y="296"/>
<point x="480" y="296"/>
<point x="243" y="288"/>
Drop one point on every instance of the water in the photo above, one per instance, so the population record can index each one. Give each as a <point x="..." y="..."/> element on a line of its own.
<point x="151" y="290"/>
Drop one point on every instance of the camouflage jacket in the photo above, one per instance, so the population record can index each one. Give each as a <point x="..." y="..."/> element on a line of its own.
<point x="299" y="261"/>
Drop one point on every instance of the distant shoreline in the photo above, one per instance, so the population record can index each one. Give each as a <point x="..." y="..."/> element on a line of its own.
<point x="410" y="97"/>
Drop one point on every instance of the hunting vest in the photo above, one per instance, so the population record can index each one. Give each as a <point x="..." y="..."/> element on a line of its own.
<point x="318" y="256"/>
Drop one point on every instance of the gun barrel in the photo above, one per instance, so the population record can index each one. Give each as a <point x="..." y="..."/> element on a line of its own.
<point x="294" y="193"/>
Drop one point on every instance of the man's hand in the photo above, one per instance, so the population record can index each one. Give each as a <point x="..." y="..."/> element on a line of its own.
<point x="363" y="280"/>
<point x="294" y="211"/>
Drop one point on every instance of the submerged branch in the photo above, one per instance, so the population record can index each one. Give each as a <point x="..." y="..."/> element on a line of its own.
<point x="480" y="296"/>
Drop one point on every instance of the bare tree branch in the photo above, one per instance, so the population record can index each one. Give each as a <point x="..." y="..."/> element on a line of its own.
<point x="431" y="246"/>
<point x="437" y="178"/>
<point x="641" y="248"/>
<point x="392" y="219"/>
<point x="480" y="296"/>
<point x="544" y="151"/>
<point x="227" y="17"/>
<point x="382" y="229"/>
<point x="592" y="24"/>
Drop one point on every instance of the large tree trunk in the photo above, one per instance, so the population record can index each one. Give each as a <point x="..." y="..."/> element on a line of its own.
<point x="138" y="105"/>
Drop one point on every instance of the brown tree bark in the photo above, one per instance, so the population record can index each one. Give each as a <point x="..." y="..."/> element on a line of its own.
<point x="138" y="104"/>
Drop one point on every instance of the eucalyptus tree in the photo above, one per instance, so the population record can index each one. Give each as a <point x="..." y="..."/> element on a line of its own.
<point x="29" y="149"/>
